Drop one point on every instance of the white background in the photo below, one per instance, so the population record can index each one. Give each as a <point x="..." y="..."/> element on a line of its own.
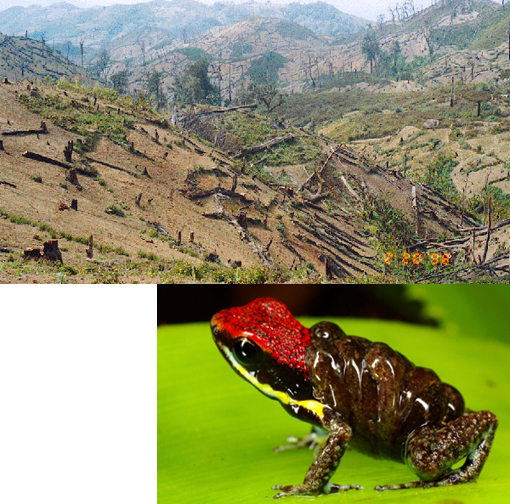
<point x="78" y="394"/>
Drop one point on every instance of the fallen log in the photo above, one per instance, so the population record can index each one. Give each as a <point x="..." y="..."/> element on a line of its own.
<point x="195" y="193"/>
<point x="7" y="184"/>
<point x="44" y="159"/>
<point x="266" y="145"/>
<point x="42" y="131"/>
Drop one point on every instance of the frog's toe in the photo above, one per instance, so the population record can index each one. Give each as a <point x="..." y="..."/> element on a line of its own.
<point x="342" y="488"/>
<point x="302" y="489"/>
<point x="285" y="490"/>
<point x="401" y="486"/>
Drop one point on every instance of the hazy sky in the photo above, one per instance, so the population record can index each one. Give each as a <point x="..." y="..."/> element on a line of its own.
<point x="368" y="9"/>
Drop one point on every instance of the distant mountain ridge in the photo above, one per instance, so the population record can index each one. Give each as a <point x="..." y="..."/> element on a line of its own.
<point x="96" y="26"/>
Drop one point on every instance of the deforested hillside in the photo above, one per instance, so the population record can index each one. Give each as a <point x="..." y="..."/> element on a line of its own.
<point x="96" y="187"/>
<point x="25" y="58"/>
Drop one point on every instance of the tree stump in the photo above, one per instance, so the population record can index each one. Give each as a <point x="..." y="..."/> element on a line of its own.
<point x="329" y="272"/>
<point x="68" y="151"/>
<point x="74" y="204"/>
<point x="242" y="220"/>
<point x="73" y="177"/>
<point x="89" y="250"/>
<point x="51" y="251"/>
<point x="31" y="253"/>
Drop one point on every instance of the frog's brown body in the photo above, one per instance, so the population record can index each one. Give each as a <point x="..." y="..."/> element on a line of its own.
<point x="365" y="394"/>
<point x="379" y="393"/>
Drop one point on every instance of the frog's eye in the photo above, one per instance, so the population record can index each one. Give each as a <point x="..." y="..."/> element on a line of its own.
<point x="246" y="352"/>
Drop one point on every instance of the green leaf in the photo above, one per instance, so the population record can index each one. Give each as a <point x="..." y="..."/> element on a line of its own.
<point x="481" y="311"/>
<point x="216" y="432"/>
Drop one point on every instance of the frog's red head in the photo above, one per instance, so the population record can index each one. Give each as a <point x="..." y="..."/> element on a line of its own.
<point x="266" y="345"/>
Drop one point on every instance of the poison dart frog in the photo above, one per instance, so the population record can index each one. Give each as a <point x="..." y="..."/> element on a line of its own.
<point x="364" y="394"/>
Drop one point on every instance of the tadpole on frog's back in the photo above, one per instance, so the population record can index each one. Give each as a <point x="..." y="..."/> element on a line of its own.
<point x="363" y="393"/>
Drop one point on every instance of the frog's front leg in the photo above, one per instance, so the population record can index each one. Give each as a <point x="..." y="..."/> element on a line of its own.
<point x="325" y="464"/>
<point x="430" y="453"/>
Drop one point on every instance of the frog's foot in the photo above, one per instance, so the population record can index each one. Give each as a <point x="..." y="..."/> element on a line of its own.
<point x="430" y="453"/>
<point x="306" y="489"/>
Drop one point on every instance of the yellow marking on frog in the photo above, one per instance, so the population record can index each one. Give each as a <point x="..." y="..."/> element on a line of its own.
<point x="309" y="404"/>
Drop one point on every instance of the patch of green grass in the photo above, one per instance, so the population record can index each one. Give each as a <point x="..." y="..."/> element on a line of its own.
<point x="500" y="203"/>
<point x="114" y="210"/>
<point x="147" y="255"/>
<point x="438" y="176"/>
<point x="387" y="223"/>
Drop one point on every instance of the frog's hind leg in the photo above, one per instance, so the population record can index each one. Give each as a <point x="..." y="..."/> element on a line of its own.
<point x="430" y="452"/>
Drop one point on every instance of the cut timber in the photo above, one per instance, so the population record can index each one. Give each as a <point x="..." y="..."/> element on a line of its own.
<point x="266" y="145"/>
